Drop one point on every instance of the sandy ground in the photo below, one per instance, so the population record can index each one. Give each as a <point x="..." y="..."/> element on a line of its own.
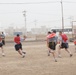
<point x="36" y="61"/>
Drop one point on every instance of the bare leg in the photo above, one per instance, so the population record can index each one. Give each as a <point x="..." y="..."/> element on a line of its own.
<point x="54" y="55"/>
<point x="23" y="52"/>
<point x="75" y="48"/>
<point x="49" y="51"/>
<point x="69" y="52"/>
<point x="2" y="51"/>
<point x="20" y="52"/>
<point x="59" y="52"/>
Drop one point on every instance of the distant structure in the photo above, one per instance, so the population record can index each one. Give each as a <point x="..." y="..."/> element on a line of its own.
<point x="74" y="30"/>
<point x="44" y="30"/>
<point x="15" y="33"/>
<point x="12" y="31"/>
<point x="65" y="30"/>
<point x="41" y="30"/>
<point x="2" y="29"/>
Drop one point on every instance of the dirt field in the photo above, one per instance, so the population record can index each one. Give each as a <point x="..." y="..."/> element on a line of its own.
<point x="36" y="61"/>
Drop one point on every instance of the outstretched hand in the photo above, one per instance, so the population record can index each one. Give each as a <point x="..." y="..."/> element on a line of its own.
<point x="24" y="37"/>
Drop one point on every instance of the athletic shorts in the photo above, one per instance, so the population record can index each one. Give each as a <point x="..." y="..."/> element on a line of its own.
<point x="64" y="45"/>
<point x="1" y="44"/>
<point x="3" y="41"/>
<point x="18" y="46"/>
<point x="52" y="45"/>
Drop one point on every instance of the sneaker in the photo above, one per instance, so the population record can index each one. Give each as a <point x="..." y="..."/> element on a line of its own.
<point x="48" y="54"/>
<point x="59" y="56"/>
<point x="3" y="54"/>
<point x="71" y="55"/>
<point x="49" y="51"/>
<point x="23" y="56"/>
<point x="55" y="60"/>
<point x="24" y="52"/>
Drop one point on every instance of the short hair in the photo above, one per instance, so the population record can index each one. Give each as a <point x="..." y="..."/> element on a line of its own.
<point x="54" y="31"/>
<point x="49" y="32"/>
<point x="60" y="31"/>
<point x="2" y="32"/>
<point x="18" y="35"/>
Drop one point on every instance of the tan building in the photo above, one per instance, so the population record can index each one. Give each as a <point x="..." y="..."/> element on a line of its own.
<point x="74" y="29"/>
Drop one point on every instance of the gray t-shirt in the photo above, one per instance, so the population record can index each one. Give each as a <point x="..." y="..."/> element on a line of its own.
<point x="54" y="39"/>
<point x="2" y="36"/>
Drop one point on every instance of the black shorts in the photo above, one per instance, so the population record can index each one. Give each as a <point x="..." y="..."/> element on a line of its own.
<point x="18" y="46"/>
<point x="64" y="45"/>
<point x="3" y="41"/>
<point x="52" y="45"/>
<point x="1" y="44"/>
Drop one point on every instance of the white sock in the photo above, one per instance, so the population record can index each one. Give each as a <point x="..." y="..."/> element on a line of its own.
<point x="3" y="54"/>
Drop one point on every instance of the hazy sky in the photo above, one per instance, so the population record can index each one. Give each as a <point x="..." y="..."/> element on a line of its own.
<point x="46" y="14"/>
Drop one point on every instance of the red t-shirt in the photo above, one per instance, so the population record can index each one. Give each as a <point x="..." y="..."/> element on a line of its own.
<point x="17" y="40"/>
<point x="64" y="37"/>
<point x="75" y="42"/>
<point x="51" y="35"/>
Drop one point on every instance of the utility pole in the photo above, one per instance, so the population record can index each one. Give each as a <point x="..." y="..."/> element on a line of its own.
<point x="24" y="14"/>
<point x="73" y="28"/>
<point x="71" y="19"/>
<point x="71" y="22"/>
<point x="62" y="16"/>
<point x="35" y="31"/>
